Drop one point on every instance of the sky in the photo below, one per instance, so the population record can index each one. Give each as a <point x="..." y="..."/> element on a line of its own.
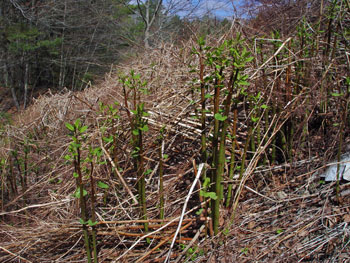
<point x="220" y="8"/>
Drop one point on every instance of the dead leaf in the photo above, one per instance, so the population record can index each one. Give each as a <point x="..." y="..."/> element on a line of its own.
<point x="303" y="233"/>
<point x="251" y="225"/>
<point x="346" y="218"/>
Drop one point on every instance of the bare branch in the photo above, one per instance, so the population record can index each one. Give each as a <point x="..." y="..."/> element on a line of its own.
<point x="21" y="9"/>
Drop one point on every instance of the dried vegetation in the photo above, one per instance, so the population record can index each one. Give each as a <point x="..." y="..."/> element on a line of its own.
<point x="281" y="210"/>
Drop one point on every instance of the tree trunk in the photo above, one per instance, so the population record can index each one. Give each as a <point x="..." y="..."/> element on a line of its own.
<point x="26" y="79"/>
<point x="146" y="38"/>
<point x="147" y="25"/>
<point x="61" y="78"/>
<point x="13" y="91"/>
<point x="14" y="97"/>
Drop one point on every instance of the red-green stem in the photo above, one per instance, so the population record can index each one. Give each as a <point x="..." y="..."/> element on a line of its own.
<point x="14" y="154"/>
<point x="203" y="117"/>
<point x="216" y="122"/>
<point x="232" y="161"/>
<point x="288" y="98"/>
<point x="250" y="131"/>
<point x="141" y="177"/>
<point x="214" y="203"/>
<point x="82" y="200"/>
<point x="93" y="212"/>
<point x="221" y="154"/>
<point x="12" y="180"/>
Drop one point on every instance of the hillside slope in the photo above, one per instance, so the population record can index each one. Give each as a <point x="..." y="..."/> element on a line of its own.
<point x="282" y="136"/>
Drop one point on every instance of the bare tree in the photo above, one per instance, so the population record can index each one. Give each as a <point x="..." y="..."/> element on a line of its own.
<point x="282" y="16"/>
<point x="156" y="14"/>
<point x="148" y="16"/>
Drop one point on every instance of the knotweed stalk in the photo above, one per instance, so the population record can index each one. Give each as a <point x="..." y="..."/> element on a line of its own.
<point x="288" y="98"/>
<point x="216" y="121"/>
<point x="232" y="160"/>
<point x="142" y="181"/>
<point x="204" y="154"/>
<point x="215" y="203"/>
<point x="138" y="126"/>
<point x="93" y="212"/>
<point x="82" y="201"/>
<point x="244" y="156"/>
<point x="221" y="155"/>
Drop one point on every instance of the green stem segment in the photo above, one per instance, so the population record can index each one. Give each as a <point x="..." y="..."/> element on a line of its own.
<point x="141" y="179"/>
<point x="232" y="161"/>
<point x="82" y="201"/>
<point x="221" y="154"/>
<point x="93" y="212"/>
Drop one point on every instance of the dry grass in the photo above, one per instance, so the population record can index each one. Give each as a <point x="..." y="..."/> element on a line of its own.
<point x="284" y="213"/>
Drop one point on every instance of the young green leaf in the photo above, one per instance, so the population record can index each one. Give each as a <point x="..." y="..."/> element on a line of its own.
<point x="75" y="175"/>
<point x="148" y="171"/>
<point x="201" y="41"/>
<point x="145" y="114"/>
<point x="211" y="195"/>
<point x="97" y="152"/>
<point x="337" y="94"/>
<point x="77" y="123"/>
<point x="219" y="117"/>
<point x="249" y="59"/>
<point x="90" y="223"/>
<point x="77" y="193"/>
<point x="206" y="182"/>
<point x="102" y="185"/>
<point x="243" y="83"/>
<point x="83" y="129"/>
<point x="76" y="145"/>
<point x="254" y="119"/>
<point x="199" y="212"/>
<point x="135" y="152"/>
<point x="108" y="139"/>
<point x="244" y="251"/>
<point x="144" y="128"/>
<point x="70" y="126"/>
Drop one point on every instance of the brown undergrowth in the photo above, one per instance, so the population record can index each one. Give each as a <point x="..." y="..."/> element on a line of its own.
<point x="284" y="212"/>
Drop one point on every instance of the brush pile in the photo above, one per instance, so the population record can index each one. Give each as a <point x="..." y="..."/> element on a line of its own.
<point x="79" y="183"/>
